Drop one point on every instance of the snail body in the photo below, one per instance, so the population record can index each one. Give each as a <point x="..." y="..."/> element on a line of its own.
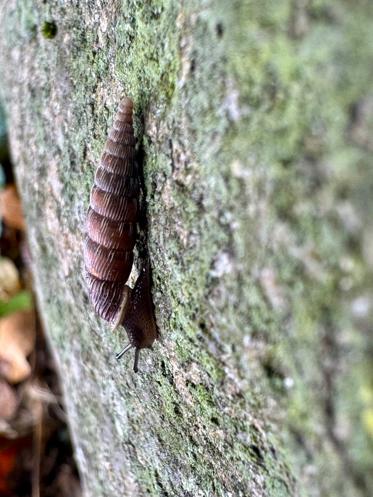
<point x="111" y="230"/>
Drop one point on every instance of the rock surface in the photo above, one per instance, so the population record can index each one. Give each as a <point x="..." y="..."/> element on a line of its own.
<point x="255" y="121"/>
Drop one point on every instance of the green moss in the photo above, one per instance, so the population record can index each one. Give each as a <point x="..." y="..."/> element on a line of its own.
<point x="250" y="164"/>
<point x="49" y="29"/>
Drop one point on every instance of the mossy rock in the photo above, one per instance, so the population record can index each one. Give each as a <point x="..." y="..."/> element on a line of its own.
<point x="255" y="123"/>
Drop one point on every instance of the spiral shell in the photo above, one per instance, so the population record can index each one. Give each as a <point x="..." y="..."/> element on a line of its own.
<point x="111" y="236"/>
<point x="112" y="217"/>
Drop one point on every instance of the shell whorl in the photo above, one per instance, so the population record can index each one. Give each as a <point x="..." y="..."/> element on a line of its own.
<point x="112" y="217"/>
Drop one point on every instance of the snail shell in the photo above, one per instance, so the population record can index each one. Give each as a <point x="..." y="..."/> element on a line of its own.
<point x="111" y="228"/>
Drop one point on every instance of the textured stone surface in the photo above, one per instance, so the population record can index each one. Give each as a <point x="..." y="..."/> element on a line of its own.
<point x="256" y="122"/>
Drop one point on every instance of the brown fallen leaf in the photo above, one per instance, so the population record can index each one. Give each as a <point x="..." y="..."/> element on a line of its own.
<point x="9" y="279"/>
<point x="12" y="454"/>
<point x="17" y="340"/>
<point x="8" y="401"/>
<point x="10" y="208"/>
<point x="8" y="459"/>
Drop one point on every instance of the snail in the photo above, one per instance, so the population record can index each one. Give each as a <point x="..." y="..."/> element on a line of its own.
<point x="111" y="229"/>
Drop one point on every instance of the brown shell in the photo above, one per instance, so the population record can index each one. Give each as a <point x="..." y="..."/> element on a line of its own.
<point x="112" y="217"/>
<point x="111" y="236"/>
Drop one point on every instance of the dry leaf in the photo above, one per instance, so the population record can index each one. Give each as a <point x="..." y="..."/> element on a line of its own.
<point x="12" y="454"/>
<point x="8" y="459"/>
<point x="17" y="340"/>
<point x="8" y="401"/>
<point x="10" y="208"/>
<point x="9" y="279"/>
